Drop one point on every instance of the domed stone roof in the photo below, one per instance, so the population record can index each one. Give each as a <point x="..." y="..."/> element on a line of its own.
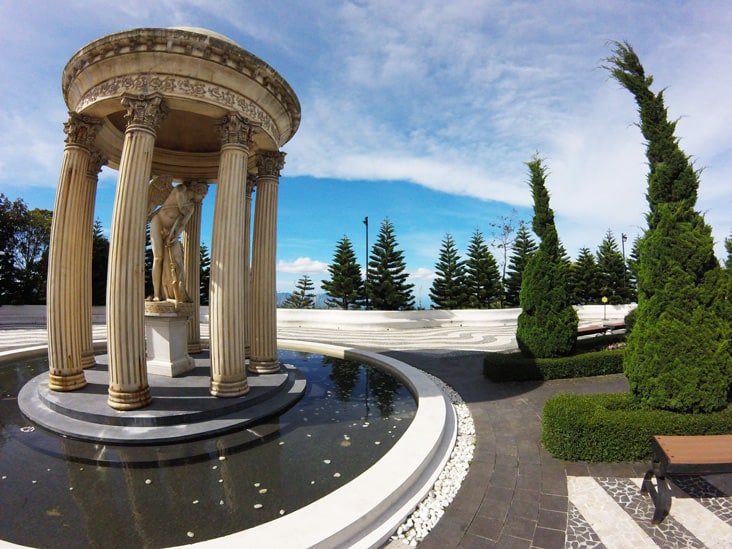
<point x="202" y="75"/>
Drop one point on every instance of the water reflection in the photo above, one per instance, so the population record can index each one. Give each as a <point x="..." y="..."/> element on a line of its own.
<point x="62" y="496"/>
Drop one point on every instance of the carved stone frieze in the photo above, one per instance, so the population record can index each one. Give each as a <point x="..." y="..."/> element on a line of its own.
<point x="270" y="163"/>
<point x="81" y="129"/>
<point x="182" y="87"/>
<point x="215" y="49"/>
<point x="145" y="110"/>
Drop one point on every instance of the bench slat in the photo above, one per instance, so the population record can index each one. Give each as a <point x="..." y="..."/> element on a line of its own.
<point x="697" y="450"/>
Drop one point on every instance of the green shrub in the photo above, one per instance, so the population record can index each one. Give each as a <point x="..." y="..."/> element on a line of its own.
<point x="611" y="427"/>
<point x="499" y="367"/>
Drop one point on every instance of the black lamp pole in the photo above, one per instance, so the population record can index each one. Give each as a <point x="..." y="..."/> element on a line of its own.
<point x="366" y="222"/>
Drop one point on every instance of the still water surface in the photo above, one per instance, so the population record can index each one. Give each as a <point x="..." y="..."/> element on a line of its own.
<point x="51" y="496"/>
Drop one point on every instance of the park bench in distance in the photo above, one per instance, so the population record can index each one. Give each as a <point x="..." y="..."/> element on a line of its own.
<point x="683" y="455"/>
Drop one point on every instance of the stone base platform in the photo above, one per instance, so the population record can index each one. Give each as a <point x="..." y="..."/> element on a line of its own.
<point x="182" y="408"/>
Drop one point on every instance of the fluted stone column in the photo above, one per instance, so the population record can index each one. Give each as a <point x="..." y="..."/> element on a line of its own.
<point x="128" y="386"/>
<point x="264" y="265"/>
<point x="86" y="219"/>
<point x="248" y="265"/>
<point x="227" y="320"/>
<point x="192" y="256"/>
<point x="65" y="304"/>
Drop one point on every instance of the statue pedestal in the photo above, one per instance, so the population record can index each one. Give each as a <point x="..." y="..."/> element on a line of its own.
<point x="166" y="336"/>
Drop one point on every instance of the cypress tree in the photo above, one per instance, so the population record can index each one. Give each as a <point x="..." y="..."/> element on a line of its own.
<point x="303" y="296"/>
<point x="387" y="285"/>
<point x="523" y="248"/>
<point x="482" y="277"/>
<point x="678" y="355"/>
<point x="613" y="272"/>
<point x="547" y="325"/>
<point x="344" y="287"/>
<point x="585" y="278"/>
<point x="448" y="288"/>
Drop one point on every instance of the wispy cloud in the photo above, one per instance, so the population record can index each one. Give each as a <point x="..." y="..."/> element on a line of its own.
<point x="302" y="265"/>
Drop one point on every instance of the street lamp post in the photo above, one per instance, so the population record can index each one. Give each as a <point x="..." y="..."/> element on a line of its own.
<point x="366" y="222"/>
<point x="623" y="240"/>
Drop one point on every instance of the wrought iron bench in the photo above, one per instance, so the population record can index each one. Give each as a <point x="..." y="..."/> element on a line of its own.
<point x="683" y="455"/>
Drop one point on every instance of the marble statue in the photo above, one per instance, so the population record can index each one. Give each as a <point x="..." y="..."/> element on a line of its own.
<point x="166" y="225"/>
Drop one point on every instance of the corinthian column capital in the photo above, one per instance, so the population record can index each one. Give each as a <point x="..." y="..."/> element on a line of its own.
<point x="147" y="111"/>
<point x="269" y="163"/>
<point x="235" y="129"/>
<point x="96" y="161"/>
<point x="81" y="129"/>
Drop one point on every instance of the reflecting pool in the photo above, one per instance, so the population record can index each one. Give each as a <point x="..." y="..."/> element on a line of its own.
<point x="54" y="493"/>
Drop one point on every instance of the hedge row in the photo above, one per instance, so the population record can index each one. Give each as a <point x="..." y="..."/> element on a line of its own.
<point x="500" y="367"/>
<point x="610" y="427"/>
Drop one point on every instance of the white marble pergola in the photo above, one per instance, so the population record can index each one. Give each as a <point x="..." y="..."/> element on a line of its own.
<point x="190" y="105"/>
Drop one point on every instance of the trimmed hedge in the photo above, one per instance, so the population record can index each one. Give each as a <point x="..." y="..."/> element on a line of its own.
<point x="611" y="427"/>
<point x="500" y="367"/>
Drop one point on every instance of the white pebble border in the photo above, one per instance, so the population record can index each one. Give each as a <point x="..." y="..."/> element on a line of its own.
<point x="432" y="507"/>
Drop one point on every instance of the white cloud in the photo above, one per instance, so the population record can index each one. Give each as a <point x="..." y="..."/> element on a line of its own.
<point x="422" y="274"/>
<point x="302" y="265"/>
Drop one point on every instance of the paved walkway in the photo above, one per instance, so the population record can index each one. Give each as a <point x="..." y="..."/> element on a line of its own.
<point x="515" y="494"/>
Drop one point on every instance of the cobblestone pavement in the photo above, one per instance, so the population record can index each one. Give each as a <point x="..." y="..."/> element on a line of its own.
<point x="515" y="493"/>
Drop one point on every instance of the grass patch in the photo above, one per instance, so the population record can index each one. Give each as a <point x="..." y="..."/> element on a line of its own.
<point x="611" y="427"/>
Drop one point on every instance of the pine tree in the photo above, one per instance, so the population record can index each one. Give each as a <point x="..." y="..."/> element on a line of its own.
<point x="303" y="296"/>
<point x="728" y="247"/>
<point x="482" y="277"/>
<point x="678" y="355"/>
<point x="387" y="285"/>
<point x="547" y="325"/>
<point x="344" y="288"/>
<point x="205" y="274"/>
<point x="523" y="247"/>
<point x="586" y="281"/>
<point x="448" y="288"/>
<point x="613" y="272"/>
<point x="100" y="258"/>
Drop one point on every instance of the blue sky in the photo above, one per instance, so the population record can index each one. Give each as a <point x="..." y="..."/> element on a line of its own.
<point x="421" y="111"/>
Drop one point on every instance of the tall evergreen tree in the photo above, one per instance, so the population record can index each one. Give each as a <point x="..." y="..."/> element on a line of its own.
<point x="586" y="281"/>
<point x="523" y="247"/>
<point x="547" y="325"/>
<point x="100" y="259"/>
<point x="448" y="288"/>
<point x="482" y="277"/>
<point x="387" y="285"/>
<point x="728" y="247"/>
<point x="345" y="287"/>
<point x="204" y="282"/>
<point x="613" y="271"/>
<point x="303" y="296"/>
<point x="678" y="355"/>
